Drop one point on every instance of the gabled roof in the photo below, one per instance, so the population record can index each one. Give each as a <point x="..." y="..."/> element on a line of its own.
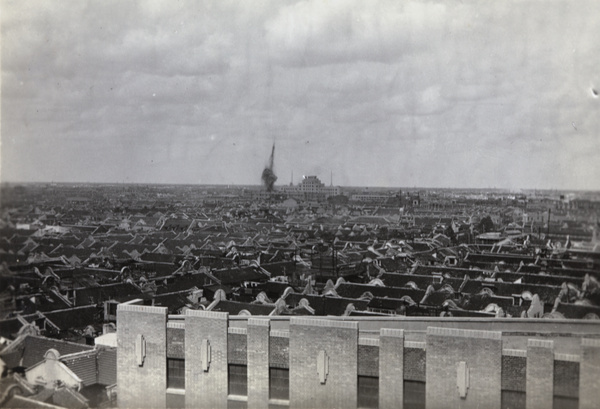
<point x="324" y="305"/>
<point x="18" y="401"/>
<point x="234" y="308"/>
<point x="77" y="317"/>
<point x="239" y="275"/>
<point x="83" y="364"/>
<point x="68" y="398"/>
<point x="30" y="349"/>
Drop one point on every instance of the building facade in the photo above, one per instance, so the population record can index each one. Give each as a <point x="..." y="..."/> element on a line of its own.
<point x="311" y="188"/>
<point x="206" y="359"/>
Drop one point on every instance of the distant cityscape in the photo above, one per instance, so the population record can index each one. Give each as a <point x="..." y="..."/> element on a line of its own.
<point x="300" y="204"/>
<point x="92" y="275"/>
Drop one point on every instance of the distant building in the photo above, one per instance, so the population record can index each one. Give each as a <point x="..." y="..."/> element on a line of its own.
<point x="369" y="197"/>
<point x="311" y="188"/>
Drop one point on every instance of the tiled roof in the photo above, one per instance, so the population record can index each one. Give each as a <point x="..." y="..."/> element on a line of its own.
<point x="273" y="289"/>
<point x="31" y="350"/>
<point x="43" y="395"/>
<point x="107" y="366"/>
<point x="83" y="364"/>
<point x="173" y="301"/>
<point x="94" y="295"/>
<point x="323" y="305"/>
<point x="234" y="308"/>
<point x="183" y="283"/>
<point x="236" y="275"/>
<point x="68" y="398"/>
<point x="18" y="401"/>
<point x="77" y="317"/>
<point x="10" y="327"/>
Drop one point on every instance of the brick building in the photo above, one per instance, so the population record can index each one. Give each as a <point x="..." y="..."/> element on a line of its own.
<point x="207" y="359"/>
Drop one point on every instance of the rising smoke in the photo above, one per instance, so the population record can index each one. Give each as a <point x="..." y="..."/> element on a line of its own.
<point x="268" y="175"/>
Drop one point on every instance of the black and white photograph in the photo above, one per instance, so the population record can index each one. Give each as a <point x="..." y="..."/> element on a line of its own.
<point x="299" y="204"/>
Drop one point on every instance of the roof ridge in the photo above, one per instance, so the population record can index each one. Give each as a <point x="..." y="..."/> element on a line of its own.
<point x="60" y="341"/>
<point x="78" y="307"/>
<point x="74" y="355"/>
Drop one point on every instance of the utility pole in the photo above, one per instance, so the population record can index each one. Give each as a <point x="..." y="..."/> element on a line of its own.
<point x="320" y="263"/>
<point x="333" y="261"/>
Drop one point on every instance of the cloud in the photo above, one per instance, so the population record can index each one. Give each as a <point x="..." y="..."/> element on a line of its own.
<point x="385" y="92"/>
<point x="325" y="32"/>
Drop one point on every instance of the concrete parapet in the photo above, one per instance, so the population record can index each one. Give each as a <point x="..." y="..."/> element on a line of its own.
<point x="239" y="331"/>
<point x="391" y="368"/>
<point x="141" y="356"/>
<point x="142" y="309"/>
<point x="515" y="352"/>
<point x="323" y="359"/>
<point x="206" y="370"/>
<point x="466" y="333"/>
<point x="172" y="324"/>
<point x="415" y="344"/>
<point x="258" y="363"/>
<point x="539" y="374"/>
<point x="589" y="374"/>
<point x="368" y="341"/>
<point x="463" y="368"/>
<point x="315" y="322"/>
<point x="280" y="333"/>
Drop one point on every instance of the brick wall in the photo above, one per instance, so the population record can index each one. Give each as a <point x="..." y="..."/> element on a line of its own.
<point x="368" y="360"/>
<point x="175" y="401"/>
<point x="206" y="389"/>
<point x="497" y="377"/>
<point x="175" y="342"/>
<point x="236" y="348"/>
<point x="258" y="363"/>
<point x="141" y="386"/>
<point x="566" y="378"/>
<point x="539" y="374"/>
<point x="482" y="353"/>
<point x="391" y="368"/>
<point x="513" y="372"/>
<point x="414" y="364"/>
<point x="589" y="375"/>
<point x="339" y="341"/>
<point x="279" y="351"/>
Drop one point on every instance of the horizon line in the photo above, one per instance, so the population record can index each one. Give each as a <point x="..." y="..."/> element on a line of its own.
<point x="6" y="182"/>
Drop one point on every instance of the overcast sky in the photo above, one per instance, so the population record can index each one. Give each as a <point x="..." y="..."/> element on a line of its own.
<point x="381" y="93"/>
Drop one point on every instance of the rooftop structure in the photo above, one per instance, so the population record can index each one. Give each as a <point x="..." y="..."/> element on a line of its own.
<point x="206" y="359"/>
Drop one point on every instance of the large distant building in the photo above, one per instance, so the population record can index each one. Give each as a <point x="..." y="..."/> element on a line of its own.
<point x="311" y="188"/>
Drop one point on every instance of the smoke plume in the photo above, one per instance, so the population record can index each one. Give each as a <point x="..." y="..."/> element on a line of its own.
<point x="268" y="175"/>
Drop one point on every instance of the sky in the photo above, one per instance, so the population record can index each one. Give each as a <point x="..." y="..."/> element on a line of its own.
<point x="380" y="93"/>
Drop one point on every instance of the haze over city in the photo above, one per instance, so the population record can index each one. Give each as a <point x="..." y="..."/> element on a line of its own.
<point x="416" y="93"/>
